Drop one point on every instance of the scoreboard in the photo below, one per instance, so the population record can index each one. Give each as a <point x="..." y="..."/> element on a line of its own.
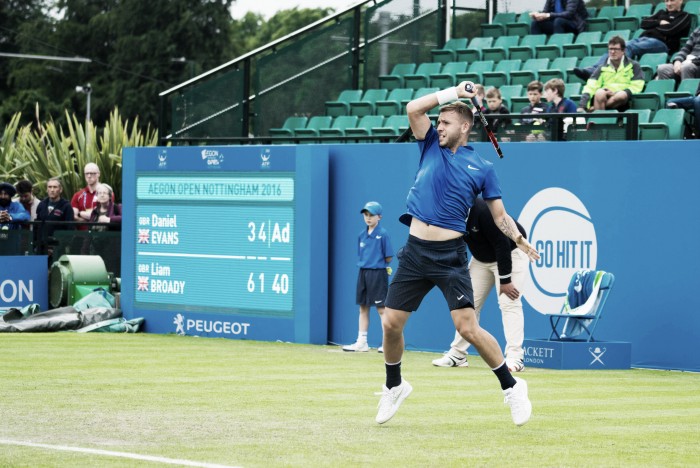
<point x="227" y="241"/>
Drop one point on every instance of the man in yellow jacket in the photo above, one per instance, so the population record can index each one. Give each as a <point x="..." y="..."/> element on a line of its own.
<point x="612" y="84"/>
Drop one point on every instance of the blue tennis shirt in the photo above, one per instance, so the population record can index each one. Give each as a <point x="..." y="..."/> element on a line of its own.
<point x="446" y="184"/>
<point x="372" y="249"/>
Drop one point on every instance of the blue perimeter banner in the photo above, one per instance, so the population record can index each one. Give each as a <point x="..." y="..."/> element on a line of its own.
<point x="24" y="281"/>
<point x="625" y="207"/>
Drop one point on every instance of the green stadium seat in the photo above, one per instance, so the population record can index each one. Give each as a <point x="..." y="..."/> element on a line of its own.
<point x="585" y="62"/>
<point x="555" y="46"/>
<point x="339" y="125"/>
<point x="686" y="88"/>
<point x="367" y="105"/>
<point x="650" y="62"/>
<point x="660" y="6"/>
<point x="592" y="12"/>
<point x="508" y="92"/>
<point x="475" y="71"/>
<point x="572" y="89"/>
<point x="497" y="26"/>
<point x="604" y="19"/>
<point x="668" y="124"/>
<point x="692" y="7"/>
<point x="365" y="125"/>
<point x="559" y="68"/>
<point x="633" y="16"/>
<point x="521" y="26"/>
<point x="421" y="78"/>
<point x="448" y="53"/>
<point x="500" y="48"/>
<point x="395" y="78"/>
<point x="446" y="77"/>
<point x="644" y="116"/>
<point x="289" y="126"/>
<point x="315" y="123"/>
<point x="341" y="106"/>
<point x="517" y="103"/>
<point x="582" y="45"/>
<point x="529" y="71"/>
<point x="600" y="48"/>
<point x="393" y="126"/>
<point x="472" y="52"/>
<point x="653" y="95"/>
<point x="395" y="102"/>
<point x="500" y="75"/>
<point x="526" y="49"/>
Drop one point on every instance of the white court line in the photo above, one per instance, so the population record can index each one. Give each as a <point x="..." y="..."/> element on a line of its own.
<point x="109" y="453"/>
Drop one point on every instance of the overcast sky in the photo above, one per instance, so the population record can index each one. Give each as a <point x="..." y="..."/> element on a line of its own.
<point x="268" y="8"/>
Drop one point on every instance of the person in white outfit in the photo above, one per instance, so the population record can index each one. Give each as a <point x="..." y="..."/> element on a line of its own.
<point x="495" y="261"/>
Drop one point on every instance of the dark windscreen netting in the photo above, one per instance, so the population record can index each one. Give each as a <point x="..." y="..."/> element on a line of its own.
<point x="211" y="108"/>
<point x="399" y="31"/>
<point x="298" y="79"/>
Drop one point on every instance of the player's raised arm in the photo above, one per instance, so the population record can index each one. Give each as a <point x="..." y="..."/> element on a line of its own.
<point x="506" y="224"/>
<point x="418" y="108"/>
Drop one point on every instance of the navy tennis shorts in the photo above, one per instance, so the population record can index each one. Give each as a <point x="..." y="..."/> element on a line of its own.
<point x="425" y="264"/>
<point x="372" y="285"/>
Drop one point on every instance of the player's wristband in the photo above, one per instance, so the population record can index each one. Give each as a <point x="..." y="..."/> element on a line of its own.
<point x="447" y="95"/>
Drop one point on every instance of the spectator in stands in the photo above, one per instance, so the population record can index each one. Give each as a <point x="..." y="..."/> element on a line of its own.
<point x="662" y="33"/>
<point x="689" y="104"/>
<point x="53" y="208"/>
<point x="480" y="95"/>
<point x="494" y="103"/>
<point x="554" y="94"/>
<point x="534" y="95"/>
<point x="105" y="211"/>
<point x="83" y="201"/>
<point x="27" y="199"/>
<point x="560" y="16"/>
<point x="12" y="213"/>
<point x="686" y="63"/>
<point x="612" y="85"/>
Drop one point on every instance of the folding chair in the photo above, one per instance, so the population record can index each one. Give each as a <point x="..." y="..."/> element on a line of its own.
<point x="588" y="291"/>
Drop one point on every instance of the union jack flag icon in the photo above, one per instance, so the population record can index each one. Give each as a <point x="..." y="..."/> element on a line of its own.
<point x="142" y="284"/>
<point x="143" y="236"/>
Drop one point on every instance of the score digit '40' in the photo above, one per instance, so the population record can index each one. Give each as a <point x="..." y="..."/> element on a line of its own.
<point x="280" y="284"/>
<point x="262" y="233"/>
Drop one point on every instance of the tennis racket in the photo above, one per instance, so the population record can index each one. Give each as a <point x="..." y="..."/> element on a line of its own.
<point x="484" y="122"/>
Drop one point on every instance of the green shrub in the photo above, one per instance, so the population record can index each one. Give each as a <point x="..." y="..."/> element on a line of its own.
<point x="39" y="152"/>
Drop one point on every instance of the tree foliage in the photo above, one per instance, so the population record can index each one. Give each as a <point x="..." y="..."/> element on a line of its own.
<point x="137" y="50"/>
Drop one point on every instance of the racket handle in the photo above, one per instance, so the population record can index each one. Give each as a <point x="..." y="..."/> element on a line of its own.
<point x="469" y="88"/>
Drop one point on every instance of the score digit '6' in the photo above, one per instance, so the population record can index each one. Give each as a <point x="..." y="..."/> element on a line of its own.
<point x="280" y="284"/>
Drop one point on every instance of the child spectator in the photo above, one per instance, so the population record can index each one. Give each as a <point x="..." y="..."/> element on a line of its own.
<point x="494" y="102"/>
<point x="554" y="94"/>
<point x="374" y="251"/>
<point x="534" y="95"/>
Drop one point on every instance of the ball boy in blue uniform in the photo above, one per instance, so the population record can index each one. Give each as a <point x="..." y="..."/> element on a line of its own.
<point x="374" y="253"/>
<point x="450" y="176"/>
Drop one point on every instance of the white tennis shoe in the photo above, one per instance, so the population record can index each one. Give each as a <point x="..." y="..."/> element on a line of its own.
<point x="516" y="398"/>
<point x="357" y="347"/>
<point x="391" y="400"/>
<point x="449" y="360"/>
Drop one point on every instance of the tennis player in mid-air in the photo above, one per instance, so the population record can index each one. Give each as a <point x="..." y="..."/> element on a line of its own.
<point x="450" y="176"/>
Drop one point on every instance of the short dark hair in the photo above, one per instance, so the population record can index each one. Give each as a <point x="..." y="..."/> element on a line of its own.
<point x="617" y="40"/>
<point x="460" y="108"/>
<point x="23" y="186"/>
<point x="535" y="85"/>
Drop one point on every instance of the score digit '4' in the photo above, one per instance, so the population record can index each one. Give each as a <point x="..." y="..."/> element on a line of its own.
<point x="279" y="233"/>
<point x="280" y="284"/>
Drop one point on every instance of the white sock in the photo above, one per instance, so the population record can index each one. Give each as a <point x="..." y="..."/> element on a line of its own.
<point x="362" y="337"/>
